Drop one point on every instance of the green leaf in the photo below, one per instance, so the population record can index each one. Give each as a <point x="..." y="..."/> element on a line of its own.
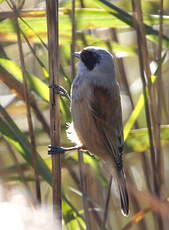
<point x="133" y="117"/>
<point x="34" y="23"/>
<point x="138" y="140"/>
<point x="13" y="134"/>
<point x="72" y="217"/>
<point x="19" y="179"/>
<point x="35" y="83"/>
<point x="135" y="113"/>
<point x="128" y="19"/>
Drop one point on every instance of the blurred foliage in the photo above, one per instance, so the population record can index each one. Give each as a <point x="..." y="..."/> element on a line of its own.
<point x="95" y="21"/>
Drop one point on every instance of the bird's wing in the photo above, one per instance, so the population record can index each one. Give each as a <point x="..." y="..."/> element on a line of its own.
<point x="107" y="115"/>
<point x="106" y="112"/>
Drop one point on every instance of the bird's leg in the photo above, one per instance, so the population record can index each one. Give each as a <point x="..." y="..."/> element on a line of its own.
<point x="58" y="149"/>
<point x="52" y="149"/>
<point x="60" y="90"/>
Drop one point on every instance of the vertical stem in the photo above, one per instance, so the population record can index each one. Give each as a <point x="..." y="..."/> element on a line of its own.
<point x="53" y="55"/>
<point x="82" y="5"/>
<point x="149" y="98"/>
<point x="73" y="44"/>
<point x="157" y="122"/>
<point x="160" y="102"/>
<point x="84" y="190"/>
<point x="28" y="107"/>
<point x="27" y="99"/>
<point x="121" y="69"/>
<point x="143" y="62"/>
<point x="92" y="204"/>
<point x="135" y="203"/>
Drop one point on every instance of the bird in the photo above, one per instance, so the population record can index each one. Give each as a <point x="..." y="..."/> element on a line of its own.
<point x="97" y="114"/>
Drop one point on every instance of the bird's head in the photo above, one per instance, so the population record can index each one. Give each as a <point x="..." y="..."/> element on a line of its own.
<point x="95" y="58"/>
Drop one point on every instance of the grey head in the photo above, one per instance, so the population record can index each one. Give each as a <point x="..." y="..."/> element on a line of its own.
<point x="96" y="59"/>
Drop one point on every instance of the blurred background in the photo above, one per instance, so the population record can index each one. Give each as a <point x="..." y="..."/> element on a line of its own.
<point x="142" y="63"/>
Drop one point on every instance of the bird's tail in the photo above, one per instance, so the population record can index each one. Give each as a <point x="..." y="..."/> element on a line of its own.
<point x="123" y="193"/>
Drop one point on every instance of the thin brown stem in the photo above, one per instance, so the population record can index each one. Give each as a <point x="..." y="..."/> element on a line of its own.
<point x="136" y="218"/>
<point x="52" y="10"/>
<point x="27" y="100"/>
<point x="33" y="51"/>
<point x="84" y="190"/>
<point x="92" y="203"/>
<point x="149" y="97"/>
<point x="160" y="102"/>
<point x="82" y="5"/>
<point x="157" y="115"/>
<point x="143" y="62"/>
<point x="135" y="203"/>
<point x="121" y="69"/>
<point x="73" y="44"/>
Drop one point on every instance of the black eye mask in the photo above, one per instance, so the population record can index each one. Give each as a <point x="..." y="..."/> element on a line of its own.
<point x="90" y="58"/>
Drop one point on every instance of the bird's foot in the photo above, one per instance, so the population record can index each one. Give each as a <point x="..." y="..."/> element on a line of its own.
<point x="60" y="90"/>
<point x="54" y="149"/>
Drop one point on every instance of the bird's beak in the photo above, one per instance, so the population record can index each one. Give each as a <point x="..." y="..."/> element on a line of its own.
<point x="77" y="54"/>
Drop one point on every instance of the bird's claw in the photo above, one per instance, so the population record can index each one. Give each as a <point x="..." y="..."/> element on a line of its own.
<point x="60" y="90"/>
<point x="54" y="149"/>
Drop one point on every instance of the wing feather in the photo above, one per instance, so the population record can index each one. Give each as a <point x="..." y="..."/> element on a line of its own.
<point x="106" y="112"/>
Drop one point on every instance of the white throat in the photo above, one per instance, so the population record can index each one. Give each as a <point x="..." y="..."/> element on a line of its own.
<point x="97" y="76"/>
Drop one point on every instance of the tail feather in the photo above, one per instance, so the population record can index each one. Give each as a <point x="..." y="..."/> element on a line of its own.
<point x="123" y="193"/>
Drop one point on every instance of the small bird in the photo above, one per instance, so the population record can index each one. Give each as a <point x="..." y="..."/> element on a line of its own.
<point x="96" y="112"/>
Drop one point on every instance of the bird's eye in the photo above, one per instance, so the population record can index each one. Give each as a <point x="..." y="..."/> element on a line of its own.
<point x="89" y="58"/>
